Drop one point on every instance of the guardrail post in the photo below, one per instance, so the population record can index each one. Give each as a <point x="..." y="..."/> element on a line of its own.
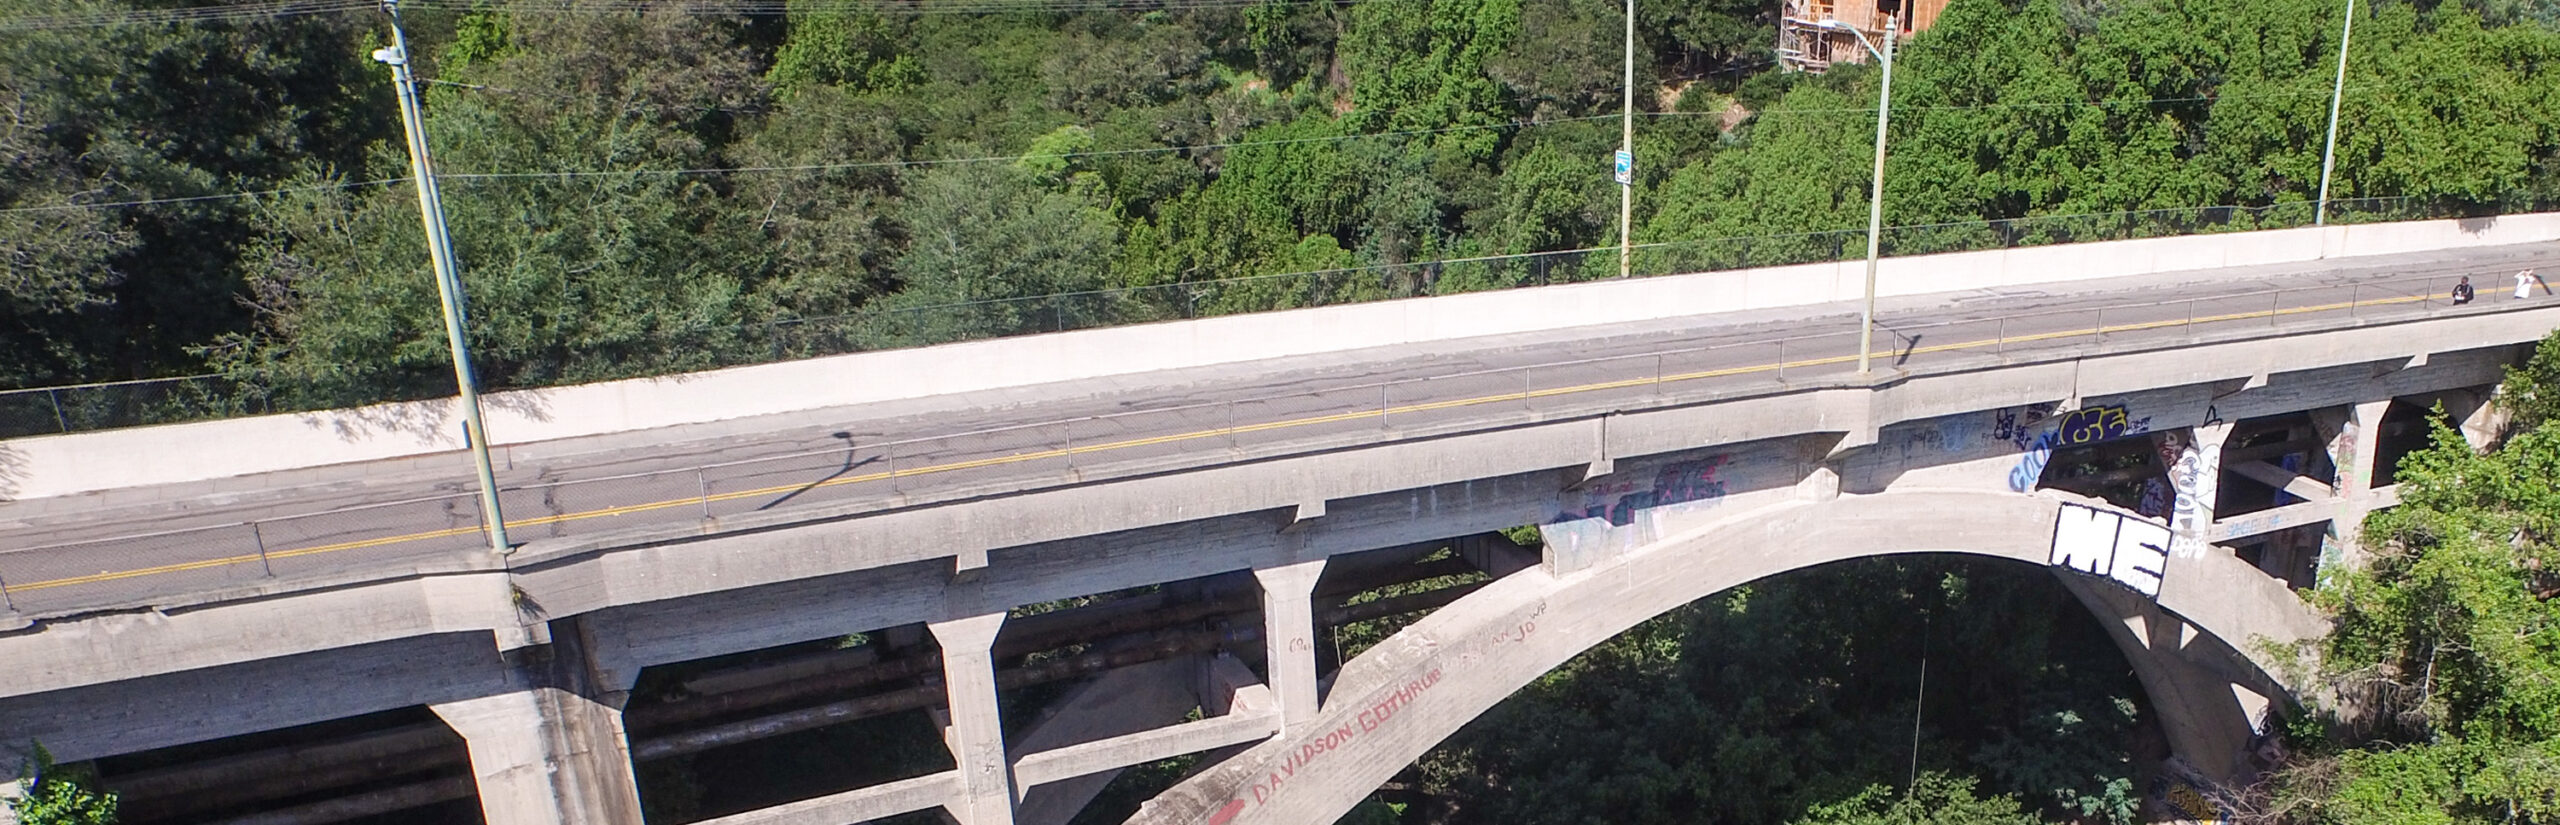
<point x="59" y="420"/>
<point x="259" y="537"/>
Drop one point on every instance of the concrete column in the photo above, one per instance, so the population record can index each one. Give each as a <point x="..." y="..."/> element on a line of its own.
<point x="546" y="756"/>
<point x="1289" y="631"/>
<point x="2357" y="447"/>
<point x="977" y="721"/>
<point x="2197" y="477"/>
<point x="2355" y="450"/>
<point x="553" y="750"/>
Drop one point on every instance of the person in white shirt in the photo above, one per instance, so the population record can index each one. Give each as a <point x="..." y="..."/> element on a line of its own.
<point x="2524" y="284"/>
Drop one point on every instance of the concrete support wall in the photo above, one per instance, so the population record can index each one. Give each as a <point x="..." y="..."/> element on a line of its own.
<point x="977" y="721"/>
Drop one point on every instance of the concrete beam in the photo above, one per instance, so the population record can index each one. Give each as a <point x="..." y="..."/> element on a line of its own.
<point x="1251" y="720"/>
<point x="858" y="805"/>
<point x="1115" y="703"/>
<point x="2268" y="473"/>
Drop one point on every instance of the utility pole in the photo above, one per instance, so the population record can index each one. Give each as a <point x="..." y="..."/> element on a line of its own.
<point x="2329" y="155"/>
<point x="448" y="281"/>
<point x="1627" y="155"/>
<point x="1875" y="190"/>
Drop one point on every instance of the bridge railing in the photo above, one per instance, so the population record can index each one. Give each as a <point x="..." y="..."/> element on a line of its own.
<point x="84" y="407"/>
<point x="1001" y="459"/>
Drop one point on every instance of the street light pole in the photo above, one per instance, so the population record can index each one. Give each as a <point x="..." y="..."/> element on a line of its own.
<point x="448" y="282"/>
<point x="2329" y="154"/>
<point x="1875" y="189"/>
<point x="1627" y="144"/>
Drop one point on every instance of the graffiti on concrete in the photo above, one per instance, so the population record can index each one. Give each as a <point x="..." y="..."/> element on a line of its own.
<point x="2333" y="560"/>
<point x="2196" y="475"/>
<point x="2131" y="551"/>
<point x="2185" y="797"/>
<point x="1676" y="483"/>
<point x="1378" y="710"/>
<point x="2342" y="455"/>
<point x="2018" y="425"/>
<point x="2077" y="428"/>
<point x="1317" y="747"/>
<point x="1591" y="525"/>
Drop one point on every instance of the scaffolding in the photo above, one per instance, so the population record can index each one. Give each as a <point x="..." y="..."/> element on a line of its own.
<point x="1805" y="45"/>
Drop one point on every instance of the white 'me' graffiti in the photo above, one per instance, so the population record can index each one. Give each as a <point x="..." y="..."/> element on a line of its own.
<point x="2132" y="551"/>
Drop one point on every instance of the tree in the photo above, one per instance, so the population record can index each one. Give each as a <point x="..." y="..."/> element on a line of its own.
<point x="2447" y="642"/>
<point x="1933" y="799"/>
<point x="60" y="795"/>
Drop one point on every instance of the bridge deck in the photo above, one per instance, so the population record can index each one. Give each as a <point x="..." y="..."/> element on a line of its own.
<point x="138" y="545"/>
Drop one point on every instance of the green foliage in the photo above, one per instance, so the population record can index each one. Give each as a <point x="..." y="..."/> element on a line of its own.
<point x="1934" y="799"/>
<point x="2447" y="639"/>
<point x="838" y="43"/>
<point x="60" y="795"/>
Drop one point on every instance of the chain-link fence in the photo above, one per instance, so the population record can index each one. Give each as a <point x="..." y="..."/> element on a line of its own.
<point x="132" y="403"/>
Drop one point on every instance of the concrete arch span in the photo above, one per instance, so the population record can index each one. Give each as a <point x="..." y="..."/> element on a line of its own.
<point x="1398" y="700"/>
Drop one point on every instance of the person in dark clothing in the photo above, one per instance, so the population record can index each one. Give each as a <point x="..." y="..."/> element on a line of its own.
<point x="2462" y="291"/>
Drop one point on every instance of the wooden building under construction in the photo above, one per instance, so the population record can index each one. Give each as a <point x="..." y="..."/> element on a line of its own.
<point x="1805" y="43"/>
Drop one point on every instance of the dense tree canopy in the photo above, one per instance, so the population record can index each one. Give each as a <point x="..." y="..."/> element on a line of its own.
<point x="636" y="192"/>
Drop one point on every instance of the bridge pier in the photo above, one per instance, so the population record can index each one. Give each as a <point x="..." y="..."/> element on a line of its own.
<point x="553" y="752"/>
<point x="2354" y="449"/>
<point x="977" y="721"/>
<point x="1288" y="618"/>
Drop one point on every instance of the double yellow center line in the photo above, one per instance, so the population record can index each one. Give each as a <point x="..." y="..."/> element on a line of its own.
<point x="1223" y="432"/>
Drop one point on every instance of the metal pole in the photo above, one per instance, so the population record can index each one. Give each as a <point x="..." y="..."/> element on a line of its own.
<point x="1875" y="202"/>
<point x="59" y="420"/>
<point x="2337" y="91"/>
<point x="448" y="280"/>
<point x="1627" y="142"/>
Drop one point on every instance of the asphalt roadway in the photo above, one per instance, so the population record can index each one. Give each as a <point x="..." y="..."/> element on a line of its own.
<point x="132" y="549"/>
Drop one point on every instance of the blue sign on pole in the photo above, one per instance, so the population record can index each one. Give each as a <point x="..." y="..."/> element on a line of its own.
<point x="1626" y="167"/>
